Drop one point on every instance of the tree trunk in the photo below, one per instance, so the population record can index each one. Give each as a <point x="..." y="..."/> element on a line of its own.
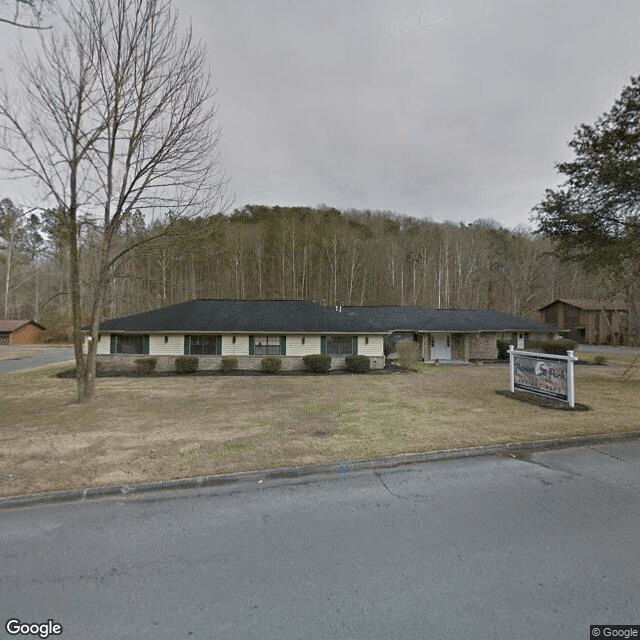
<point x="8" y="277"/>
<point x="85" y="392"/>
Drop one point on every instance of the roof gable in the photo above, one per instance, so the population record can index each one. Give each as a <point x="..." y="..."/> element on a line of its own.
<point x="9" y="326"/>
<point x="591" y="304"/>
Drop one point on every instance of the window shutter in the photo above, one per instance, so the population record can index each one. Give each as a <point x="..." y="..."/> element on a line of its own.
<point x="145" y="345"/>
<point x="113" y="343"/>
<point x="323" y="345"/>
<point x="354" y="346"/>
<point x="251" y="349"/>
<point x="186" y="345"/>
<point x="283" y="345"/>
<point x="218" y="345"/>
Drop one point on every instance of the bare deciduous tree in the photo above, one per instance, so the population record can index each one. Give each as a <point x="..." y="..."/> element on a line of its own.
<point x="26" y="14"/>
<point x="117" y="115"/>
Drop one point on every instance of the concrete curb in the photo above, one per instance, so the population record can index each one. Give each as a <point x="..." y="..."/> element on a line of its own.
<point x="384" y="462"/>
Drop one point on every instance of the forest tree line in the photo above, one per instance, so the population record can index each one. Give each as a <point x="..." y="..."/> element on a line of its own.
<point x="335" y="257"/>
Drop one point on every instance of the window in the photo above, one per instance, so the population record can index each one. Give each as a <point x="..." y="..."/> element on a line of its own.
<point x="204" y="345"/>
<point x="128" y="344"/>
<point x="166" y="339"/>
<point x="340" y="345"/>
<point x="266" y="346"/>
<point x="302" y="340"/>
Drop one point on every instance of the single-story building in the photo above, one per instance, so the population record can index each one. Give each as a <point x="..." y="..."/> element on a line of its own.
<point x="291" y="329"/>
<point x="589" y="321"/>
<point x="13" y="332"/>
<point x="455" y="334"/>
<point x="247" y="329"/>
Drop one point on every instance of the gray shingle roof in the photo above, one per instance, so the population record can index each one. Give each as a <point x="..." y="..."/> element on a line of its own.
<point x="282" y="316"/>
<point x="398" y="318"/>
<point x="251" y="316"/>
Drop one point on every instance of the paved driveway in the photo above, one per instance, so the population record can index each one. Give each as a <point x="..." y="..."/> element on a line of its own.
<point x="22" y="357"/>
<point x="535" y="547"/>
<point x="601" y="348"/>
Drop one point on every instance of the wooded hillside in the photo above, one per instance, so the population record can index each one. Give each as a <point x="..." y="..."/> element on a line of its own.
<point x="323" y="254"/>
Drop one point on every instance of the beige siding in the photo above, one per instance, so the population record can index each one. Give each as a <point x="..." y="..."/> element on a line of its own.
<point x="240" y="348"/>
<point x="296" y="348"/>
<point x="173" y="347"/>
<point x="104" y="344"/>
<point x="374" y="348"/>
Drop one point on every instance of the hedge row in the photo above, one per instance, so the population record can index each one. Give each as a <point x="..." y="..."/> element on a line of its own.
<point x="317" y="363"/>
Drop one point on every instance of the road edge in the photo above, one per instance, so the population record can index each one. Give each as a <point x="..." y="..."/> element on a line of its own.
<point x="383" y="462"/>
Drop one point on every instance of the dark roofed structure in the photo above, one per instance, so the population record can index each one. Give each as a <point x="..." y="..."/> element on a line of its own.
<point x="277" y="316"/>
<point x="250" y="329"/>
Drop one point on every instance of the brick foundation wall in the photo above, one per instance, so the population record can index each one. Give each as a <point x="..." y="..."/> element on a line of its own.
<point x="245" y="363"/>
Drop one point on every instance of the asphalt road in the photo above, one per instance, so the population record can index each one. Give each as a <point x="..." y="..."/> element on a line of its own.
<point x="484" y="548"/>
<point x="48" y="355"/>
<point x="605" y="349"/>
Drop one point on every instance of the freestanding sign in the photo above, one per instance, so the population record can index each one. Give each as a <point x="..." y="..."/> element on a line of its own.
<point x="543" y="373"/>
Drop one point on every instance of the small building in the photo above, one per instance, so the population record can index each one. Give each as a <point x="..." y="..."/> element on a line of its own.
<point x="13" y="332"/>
<point x="589" y="321"/>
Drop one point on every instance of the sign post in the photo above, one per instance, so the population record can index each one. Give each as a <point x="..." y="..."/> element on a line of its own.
<point x="544" y="374"/>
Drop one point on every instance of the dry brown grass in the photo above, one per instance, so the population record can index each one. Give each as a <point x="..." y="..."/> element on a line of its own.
<point x="160" y="428"/>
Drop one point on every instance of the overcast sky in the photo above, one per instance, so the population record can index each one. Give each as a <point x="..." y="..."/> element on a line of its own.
<point x="454" y="110"/>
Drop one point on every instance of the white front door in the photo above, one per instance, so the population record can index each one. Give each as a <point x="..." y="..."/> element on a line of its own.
<point x="441" y="346"/>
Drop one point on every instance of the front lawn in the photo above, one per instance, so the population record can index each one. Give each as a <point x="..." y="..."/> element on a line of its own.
<point x="142" y="429"/>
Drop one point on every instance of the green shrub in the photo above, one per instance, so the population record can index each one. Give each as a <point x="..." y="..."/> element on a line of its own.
<point x="408" y="353"/>
<point x="271" y="364"/>
<point x="358" y="364"/>
<point x="600" y="359"/>
<point x="229" y="364"/>
<point x="503" y="349"/>
<point x="186" y="364"/>
<point x="317" y="363"/>
<point x="146" y="365"/>
<point x="558" y="347"/>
